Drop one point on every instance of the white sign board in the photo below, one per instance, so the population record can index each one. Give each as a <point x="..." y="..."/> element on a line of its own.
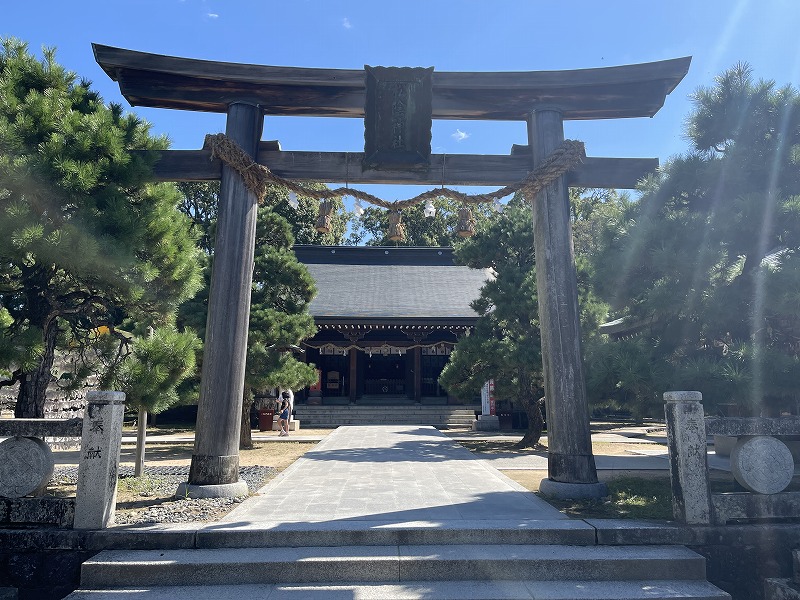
<point x="487" y="398"/>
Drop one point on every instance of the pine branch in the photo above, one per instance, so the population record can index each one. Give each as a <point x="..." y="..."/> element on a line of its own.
<point x="16" y="376"/>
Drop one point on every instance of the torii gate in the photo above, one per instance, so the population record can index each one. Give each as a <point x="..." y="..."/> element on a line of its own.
<point x="397" y="105"/>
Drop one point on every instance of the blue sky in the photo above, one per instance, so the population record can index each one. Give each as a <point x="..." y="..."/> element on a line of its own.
<point x="501" y="35"/>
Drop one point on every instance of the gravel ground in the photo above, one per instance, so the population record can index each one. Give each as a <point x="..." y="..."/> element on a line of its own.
<point x="156" y="490"/>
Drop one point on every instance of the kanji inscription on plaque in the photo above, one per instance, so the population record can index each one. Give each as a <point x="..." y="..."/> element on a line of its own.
<point x="398" y="118"/>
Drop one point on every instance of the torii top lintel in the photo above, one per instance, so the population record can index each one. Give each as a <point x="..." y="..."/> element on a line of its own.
<point x="160" y="81"/>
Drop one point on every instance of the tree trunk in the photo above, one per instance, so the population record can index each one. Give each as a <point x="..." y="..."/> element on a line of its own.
<point x="33" y="386"/>
<point x="245" y="436"/>
<point x="535" y="424"/>
<point x="141" y="440"/>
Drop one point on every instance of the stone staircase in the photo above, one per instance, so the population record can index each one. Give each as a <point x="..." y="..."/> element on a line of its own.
<point x="557" y="560"/>
<point x="441" y="417"/>
<point x="785" y="589"/>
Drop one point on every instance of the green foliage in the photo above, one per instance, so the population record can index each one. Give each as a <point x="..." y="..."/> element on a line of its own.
<point x="154" y="367"/>
<point x="145" y="485"/>
<point x="22" y="349"/>
<point x="706" y="266"/>
<point x="440" y="230"/>
<point x="506" y="342"/>
<point x="279" y="318"/>
<point x="304" y="218"/>
<point x="282" y="286"/>
<point x="85" y="239"/>
<point x="199" y="203"/>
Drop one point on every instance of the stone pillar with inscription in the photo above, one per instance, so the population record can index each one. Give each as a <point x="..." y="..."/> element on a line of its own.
<point x="99" y="460"/>
<point x="688" y="469"/>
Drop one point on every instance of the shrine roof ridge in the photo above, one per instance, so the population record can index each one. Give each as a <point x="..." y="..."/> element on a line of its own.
<point x="156" y="80"/>
<point x="375" y="255"/>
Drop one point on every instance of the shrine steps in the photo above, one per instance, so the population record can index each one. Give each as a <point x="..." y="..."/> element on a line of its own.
<point x="439" y="590"/>
<point x="558" y="560"/>
<point x="451" y="571"/>
<point x="410" y="414"/>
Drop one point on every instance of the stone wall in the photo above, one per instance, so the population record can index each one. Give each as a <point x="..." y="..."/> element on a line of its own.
<point x="41" y="564"/>
<point x="740" y="557"/>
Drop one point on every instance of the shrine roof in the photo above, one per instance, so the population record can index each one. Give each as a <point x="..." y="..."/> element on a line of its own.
<point x="156" y="80"/>
<point x="375" y="283"/>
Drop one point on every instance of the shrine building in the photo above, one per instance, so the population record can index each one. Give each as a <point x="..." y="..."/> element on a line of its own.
<point x="388" y="319"/>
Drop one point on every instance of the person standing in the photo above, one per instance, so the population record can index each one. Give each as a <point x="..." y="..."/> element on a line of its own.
<point x="283" y="418"/>
<point x="288" y="395"/>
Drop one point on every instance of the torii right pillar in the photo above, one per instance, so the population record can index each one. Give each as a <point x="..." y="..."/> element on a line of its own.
<point x="570" y="462"/>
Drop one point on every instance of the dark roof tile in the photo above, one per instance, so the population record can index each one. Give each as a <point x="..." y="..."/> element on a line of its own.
<point x="393" y="290"/>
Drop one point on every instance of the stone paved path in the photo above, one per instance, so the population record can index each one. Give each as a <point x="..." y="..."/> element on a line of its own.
<point x="395" y="473"/>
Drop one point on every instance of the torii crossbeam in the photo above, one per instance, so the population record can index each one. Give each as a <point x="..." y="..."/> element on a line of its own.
<point x="410" y="98"/>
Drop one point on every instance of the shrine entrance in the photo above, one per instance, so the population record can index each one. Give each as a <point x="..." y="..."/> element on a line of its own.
<point x="397" y="106"/>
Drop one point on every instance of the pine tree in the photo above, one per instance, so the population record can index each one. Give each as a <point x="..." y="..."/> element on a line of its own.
<point x="85" y="240"/>
<point x="148" y="368"/>
<point x="282" y="291"/>
<point x="506" y="342"/>
<point x="705" y="267"/>
<point x="279" y="318"/>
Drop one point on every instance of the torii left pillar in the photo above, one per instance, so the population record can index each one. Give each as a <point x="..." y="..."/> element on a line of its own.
<point x="570" y="462"/>
<point x="215" y="461"/>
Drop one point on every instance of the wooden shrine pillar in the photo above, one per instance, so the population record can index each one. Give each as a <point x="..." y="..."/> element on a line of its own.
<point x="418" y="375"/>
<point x="571" y="467"/>
<point x="215" y="461"/>
<point x="353" y="374"/>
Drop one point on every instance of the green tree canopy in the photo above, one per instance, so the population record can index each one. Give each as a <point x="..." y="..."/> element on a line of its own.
<point x="85" y="239"/>
<point x="279" y="318"/>
<point x="282" y="290"/>
<point x="152" y="368"/>
<point x="705" y="267"/>
<point x="505" y="344"/>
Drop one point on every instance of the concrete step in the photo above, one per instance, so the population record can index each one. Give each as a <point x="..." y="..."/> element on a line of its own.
<point x="388" y="533"/>
<point x="142" y="568"/>
<point x="332" y="416"/>
<point x="409" y="408"/>
<point x="325" y="423"/>
<point x="442" y="590"/>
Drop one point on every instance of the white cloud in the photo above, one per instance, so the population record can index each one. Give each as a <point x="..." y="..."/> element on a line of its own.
<point x="346" y="23"/>
<point x="459" y="135"/>
<point x="212" y="15"/>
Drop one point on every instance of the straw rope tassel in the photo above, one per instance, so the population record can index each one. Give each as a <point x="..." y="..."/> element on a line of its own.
<point x="466" y="222"/>
<point x="396" y="233"/>
<point x="325" y="216"/>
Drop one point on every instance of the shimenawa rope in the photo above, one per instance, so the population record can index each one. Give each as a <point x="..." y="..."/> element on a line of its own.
<point x="258" y="178"/>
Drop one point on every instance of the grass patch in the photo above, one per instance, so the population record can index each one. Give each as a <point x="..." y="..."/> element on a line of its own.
<point x="499" y="447"/>
<point x="629" y="498"/>
<point x="144" y="486"/>
<point x="160" y="429"/>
